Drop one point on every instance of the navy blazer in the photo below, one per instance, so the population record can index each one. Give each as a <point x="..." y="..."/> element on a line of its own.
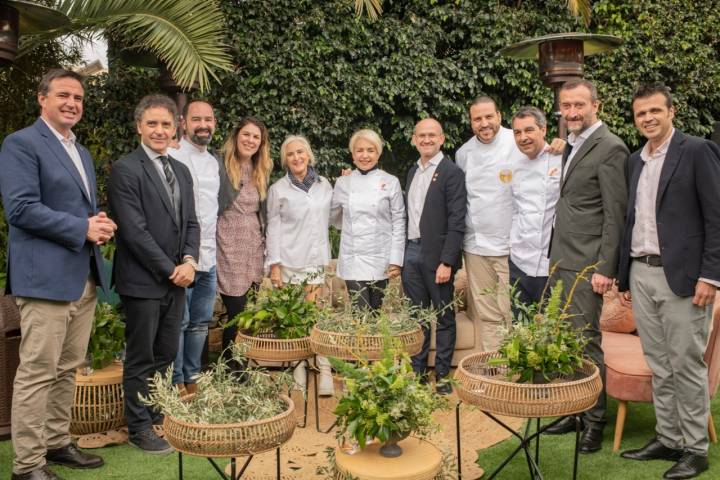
<point x="442" y="223"/>
<point x="47" y="209"/>
<point x="687" y="213"/>
<point x="149" y="241"/>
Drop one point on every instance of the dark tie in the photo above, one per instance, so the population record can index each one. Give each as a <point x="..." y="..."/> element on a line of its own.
<point x="169" y="175"/>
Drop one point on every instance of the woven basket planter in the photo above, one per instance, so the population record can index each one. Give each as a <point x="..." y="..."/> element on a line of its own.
<point x="98" y="405"/>
<point x="9" y="353"/>
<point x="231" y="440"/>
<point x="487" y="387"/>
<point x="266" y="347"/>
<point x="348" y="346"/>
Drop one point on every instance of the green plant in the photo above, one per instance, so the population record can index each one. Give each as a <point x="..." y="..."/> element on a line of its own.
<point x="107" y="339"/>
<point x="397" y="315"/>
<point x="385" y="398"/>
<point x="220" y="397"/>
<point x="282" y="311"/>
<point x="544" y="344"/>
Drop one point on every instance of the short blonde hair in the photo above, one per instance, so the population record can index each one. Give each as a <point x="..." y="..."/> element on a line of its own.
<point x="296" y="138"/>
<point x="369" y="135"/>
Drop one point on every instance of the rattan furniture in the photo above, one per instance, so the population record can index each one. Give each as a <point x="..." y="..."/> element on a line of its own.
<point x="9" y="357"/>
<point x="348" y="346"/>
<point x="420" y="460"/>
<point x="487" y="387"/>
<point x="231" y="440"/>
<point x="99" y="401"/>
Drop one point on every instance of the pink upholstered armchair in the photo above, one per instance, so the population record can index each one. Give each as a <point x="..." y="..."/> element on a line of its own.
<point x="628" y="377"/>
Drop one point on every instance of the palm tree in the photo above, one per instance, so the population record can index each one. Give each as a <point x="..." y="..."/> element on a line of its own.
<point x="372" y="7"/>
<point x="580" y="8"/>
<point x="187" y="36"/>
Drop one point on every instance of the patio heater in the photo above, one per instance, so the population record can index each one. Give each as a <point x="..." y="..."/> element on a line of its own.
<point x="561" y="58"/>
<point x="21" y="17"/>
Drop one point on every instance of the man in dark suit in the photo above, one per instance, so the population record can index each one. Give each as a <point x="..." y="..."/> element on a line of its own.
<point x="436" y="205"/>
<point x="49" y="193"/>
<point x="670" y="261"/>
<point x="589" y="220"/>
<point x="151" y="195"/>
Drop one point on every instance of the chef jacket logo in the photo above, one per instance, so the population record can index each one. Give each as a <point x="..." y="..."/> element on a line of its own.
<point x="553" y="171"/>
<point x="383" y="185"/>
<point x="505" y="175"/>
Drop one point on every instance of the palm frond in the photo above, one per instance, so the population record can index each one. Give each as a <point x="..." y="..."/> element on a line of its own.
<point x="186" y="35"/>
<point x="372" y="7"/>
<point x="581" y="8"/>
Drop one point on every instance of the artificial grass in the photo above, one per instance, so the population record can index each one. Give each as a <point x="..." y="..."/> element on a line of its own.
<point x="556" y="453"/>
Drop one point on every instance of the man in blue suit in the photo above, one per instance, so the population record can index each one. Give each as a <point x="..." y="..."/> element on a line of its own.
<point x="49" y="194"/>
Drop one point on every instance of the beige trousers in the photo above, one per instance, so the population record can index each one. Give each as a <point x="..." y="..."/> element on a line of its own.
<point x="488" y="280"/>
<point x="54" y="343"/>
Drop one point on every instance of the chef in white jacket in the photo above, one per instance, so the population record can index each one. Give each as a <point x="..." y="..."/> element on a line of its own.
<point x="535" y="190"/>
<point x="368" y="207"/>
<point x="298" y="246"/>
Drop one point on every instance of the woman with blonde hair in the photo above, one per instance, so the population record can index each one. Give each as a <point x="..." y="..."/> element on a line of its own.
<point x="369" y="209"/>
<point x="242" y="216"/>
<point x="298" y="246"/>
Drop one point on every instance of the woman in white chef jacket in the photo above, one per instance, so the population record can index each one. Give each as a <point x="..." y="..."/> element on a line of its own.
<point x="368" y="207"/>
<point x="298" y="247"/>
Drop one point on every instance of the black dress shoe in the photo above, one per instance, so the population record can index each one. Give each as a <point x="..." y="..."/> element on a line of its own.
<point x="73" y="457"/>
<point x="566" y="425"/>
<point x="689" y="466"/>
<point x="443" y="388"/>
<point x="591" y="439"/>
<point x="42" y="473"/>
<point x="654" y="450"/>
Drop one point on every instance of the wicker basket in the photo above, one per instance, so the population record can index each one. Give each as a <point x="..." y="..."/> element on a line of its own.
<point x="348" y="346"/>
<point x="267" y="347"/>
<point x="98" y="405"/>
<point x="487" y="387"/>
<point x="9" y="353"/>
<point x="234" y="439"/>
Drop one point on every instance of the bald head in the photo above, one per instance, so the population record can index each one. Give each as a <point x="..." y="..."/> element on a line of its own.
<point x="428" y="138"/>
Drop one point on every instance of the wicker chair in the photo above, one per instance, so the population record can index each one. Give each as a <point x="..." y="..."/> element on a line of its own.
<point x="9" y="356"/>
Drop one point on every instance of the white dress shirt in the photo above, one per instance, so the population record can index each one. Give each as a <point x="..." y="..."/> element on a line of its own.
<point x="68" y="144"/>
<point x="417" y="193"/>
<point x="203" y="168"/>
<point x="535" y="191"/>
<point x="370" y="211"/>
<point x="488" y="173"/>
<point x="577" y="140"/>
<point x="298" y="222"/>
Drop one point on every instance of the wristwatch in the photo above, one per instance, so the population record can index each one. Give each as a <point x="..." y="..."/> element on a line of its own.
<point x="191" y="261"/>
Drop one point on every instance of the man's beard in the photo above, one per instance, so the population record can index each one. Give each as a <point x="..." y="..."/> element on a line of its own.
<point x="201" y="140"/>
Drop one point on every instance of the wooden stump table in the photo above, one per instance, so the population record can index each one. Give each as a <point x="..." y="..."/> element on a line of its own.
<point x="420" y="460"/>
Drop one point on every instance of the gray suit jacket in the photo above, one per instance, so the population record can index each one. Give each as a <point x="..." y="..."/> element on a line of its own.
<point x="590" y="214"/>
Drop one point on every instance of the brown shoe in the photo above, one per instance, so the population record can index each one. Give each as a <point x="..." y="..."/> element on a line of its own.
<point x="190" y="388"/>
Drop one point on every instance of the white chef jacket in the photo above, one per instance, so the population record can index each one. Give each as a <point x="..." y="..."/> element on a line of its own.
<point x="488" y="173"/>
<point x="370" y="211"/>
<point x="204" y="170"/>
<point x="298" y="222"/>
<point x="535" y="191"/>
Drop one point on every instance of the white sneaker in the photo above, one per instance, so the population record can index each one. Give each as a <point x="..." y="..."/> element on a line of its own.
<point x="300" y="376"/>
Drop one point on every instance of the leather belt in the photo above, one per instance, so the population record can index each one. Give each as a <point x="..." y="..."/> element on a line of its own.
<point x="650" y="260"/>
<point x="414" y="240"/>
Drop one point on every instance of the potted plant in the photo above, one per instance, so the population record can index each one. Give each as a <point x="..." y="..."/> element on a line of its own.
<point x="276" y="323"/>
<point x="385" y="400"/>
<point x="226" y="417"/>
<point x="98" y="405"/>
<point x="351" y="331"/>
<point x="542" y="345"/>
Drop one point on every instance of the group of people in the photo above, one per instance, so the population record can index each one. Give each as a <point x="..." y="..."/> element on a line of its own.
<point x="190" y="223"/>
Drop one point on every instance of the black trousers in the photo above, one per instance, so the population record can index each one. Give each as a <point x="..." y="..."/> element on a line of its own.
<point x="419" y="285"/>
<point x="233" y="306"/>
<point x="530" y="289"/>
<point x="152" y="332"/>
<point x="585" y="313"/>
<point x="367" y="294"/>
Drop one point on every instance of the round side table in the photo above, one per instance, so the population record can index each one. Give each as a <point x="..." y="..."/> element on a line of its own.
<point x="420" y="460"/>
